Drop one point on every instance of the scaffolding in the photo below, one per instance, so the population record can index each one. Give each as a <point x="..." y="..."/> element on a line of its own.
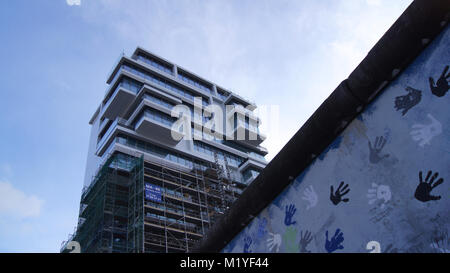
<point x="116" y="216"/>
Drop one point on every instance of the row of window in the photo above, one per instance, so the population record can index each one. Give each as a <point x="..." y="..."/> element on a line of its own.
<point x="230" y="144"/>
<point x="156" y="64"/>
<point x="222" y="95"/>
<point x="198" y="116"/>
<point x="159" y="152"/>
<point x="162" y="82"/>
<point x="210" y="150"/>
<point x="259" y="156"/>
<point x="169" y="105"/>
<point x="159" y="101"/>
<point x="194" y="82"/>
<point x="241" y="148"/>
<point x="252" y="126"/>
<point x="123" y="161"/>
<point x="159" y="117"/>
<point x="128" y="84"/>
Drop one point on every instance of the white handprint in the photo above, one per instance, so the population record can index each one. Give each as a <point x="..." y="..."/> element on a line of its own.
<point x="441" y="244"/>
<point x="423" y="133"/>
<point x="274" y="242"/>
<point x="439" y="249"/>
<point x="310" y="195"/>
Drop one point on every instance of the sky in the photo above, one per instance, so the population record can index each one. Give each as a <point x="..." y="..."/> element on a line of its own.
<point x="57" y="54"/>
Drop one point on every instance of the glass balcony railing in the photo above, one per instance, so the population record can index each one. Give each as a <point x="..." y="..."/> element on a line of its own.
<point x="160" y="81"/>
<point x="112" y="127"/>
<point x="155" y="64"/>
<point x="257" y="156"/>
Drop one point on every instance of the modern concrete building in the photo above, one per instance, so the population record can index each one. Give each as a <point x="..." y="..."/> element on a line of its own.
<point x="146" y="191"/>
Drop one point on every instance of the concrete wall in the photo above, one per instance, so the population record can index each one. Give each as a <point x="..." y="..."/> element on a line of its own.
<point x="405" y="131"/>
<point x="93" y="161"/>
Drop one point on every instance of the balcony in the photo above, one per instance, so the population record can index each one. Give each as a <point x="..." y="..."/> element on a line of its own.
<point x="240" y="110"/>
<point x="244" y="133"/>
<point x="232" y="98"/>
<point x="118" y="103"/>
<point x="109" y="135"/>
<point x="251" y="164"/>
<point x="249" y="179"/>
<point x="160" y="129"/>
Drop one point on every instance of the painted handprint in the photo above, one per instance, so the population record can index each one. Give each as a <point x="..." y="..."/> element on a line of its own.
<point x="336" y="241"/>
<point x="290" y="240"/>
<point x="262" y="228"/>
<point x="442" y="243"/>
<point x="375" y="150"/>
<point x="379" y="192"/>
<point x="423" y="133"/>
<point x="305" y="239"/>
<point x="290" y="211"/>
<point x="441" y="86"/>
<point x="247" y="244"/>
<point x="311" y="196"/>
<point x="408" y="101"/>
<point x="274" y="242"/>
<point x="439" y="248"/>
<point x="423" y="190"/>
<point x="336" y="197"/>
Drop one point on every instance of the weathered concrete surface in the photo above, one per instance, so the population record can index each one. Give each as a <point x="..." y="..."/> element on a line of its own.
<point x="405" y="131"/>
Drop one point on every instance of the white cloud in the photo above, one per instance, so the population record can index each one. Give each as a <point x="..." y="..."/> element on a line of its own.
<point x="73" y="2"/>
<point x="373" y="2"/>
<point x="14" y="202"/>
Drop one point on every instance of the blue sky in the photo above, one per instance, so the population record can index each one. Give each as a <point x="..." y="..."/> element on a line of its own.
<point x="57" y="54"/>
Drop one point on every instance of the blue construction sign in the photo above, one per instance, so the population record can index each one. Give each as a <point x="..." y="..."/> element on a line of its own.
<point x="152" y="192"/>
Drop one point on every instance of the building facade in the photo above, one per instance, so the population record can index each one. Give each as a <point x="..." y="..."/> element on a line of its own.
<point x="149" y="187"/>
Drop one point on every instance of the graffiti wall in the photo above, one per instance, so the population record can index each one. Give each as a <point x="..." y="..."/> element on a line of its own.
<point x="383" y="185"/>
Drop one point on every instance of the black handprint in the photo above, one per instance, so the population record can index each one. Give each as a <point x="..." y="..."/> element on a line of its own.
<point x="408" y="101"/>
<point x="305" y="239"/>
<point x="423" y="190"/>
<point x="336" y="197"/>
<point x="375" y="150"/>
<point x="441" y="86"/>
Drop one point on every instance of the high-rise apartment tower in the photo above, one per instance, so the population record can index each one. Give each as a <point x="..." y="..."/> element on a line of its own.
<point x="148" y="189"/>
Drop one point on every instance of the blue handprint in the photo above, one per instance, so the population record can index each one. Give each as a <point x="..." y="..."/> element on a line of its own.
<point x="290" y="211"/>
<point x="336" y="241"/>
<point x="247" y="244"/>
<point x="262" y="228"/>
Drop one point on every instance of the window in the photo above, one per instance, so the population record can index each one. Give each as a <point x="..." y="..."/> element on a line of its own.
<point x="159" y="151"/>
<point x="158" y="100"/>
<point x="209" y="150"/>
<point x="222" y="94"/>
<point x="162" y="82"/>
<point x="155" y="63"/>
<point x="158" y="116"/>
<point x="192" y="81"/>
